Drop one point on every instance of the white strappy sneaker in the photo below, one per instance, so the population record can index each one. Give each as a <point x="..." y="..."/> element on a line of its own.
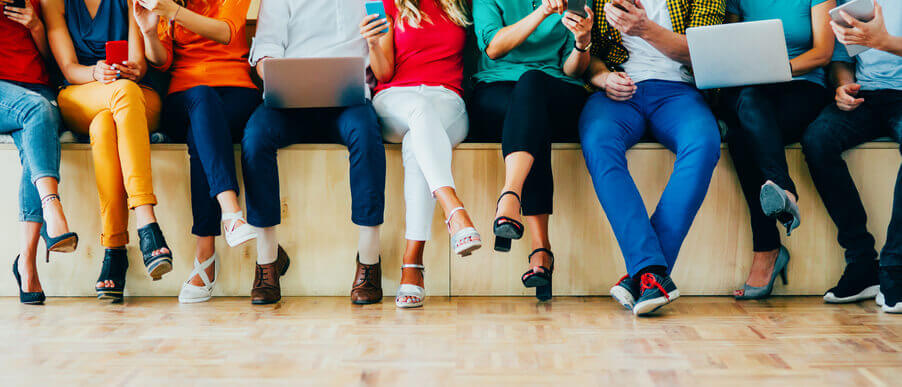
<point x="192" y="293"/>
<point x="234" y="233"/>
<point x="410" y="296"/>
<point x="465" y="240"/>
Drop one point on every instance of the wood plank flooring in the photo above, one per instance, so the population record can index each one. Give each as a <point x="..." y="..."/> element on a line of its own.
<point x="452" y="341"/>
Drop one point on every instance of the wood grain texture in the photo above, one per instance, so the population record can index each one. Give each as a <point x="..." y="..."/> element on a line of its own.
<point x="318" y="234"/>
<point x="697" y="341"/>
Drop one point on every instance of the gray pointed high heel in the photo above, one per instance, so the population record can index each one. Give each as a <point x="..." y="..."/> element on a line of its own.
<point x="776" y="204"/>
<point x="759" y="292"/>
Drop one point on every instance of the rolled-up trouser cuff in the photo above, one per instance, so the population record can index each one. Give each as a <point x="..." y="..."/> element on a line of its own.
<point x="34" y="218"/>
<point x="141" y="200"/>
<point x="35" y="176"/>
<point x="367" y="221"/>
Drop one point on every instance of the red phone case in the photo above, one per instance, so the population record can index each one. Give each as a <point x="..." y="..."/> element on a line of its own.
<point x="116" y="52"/>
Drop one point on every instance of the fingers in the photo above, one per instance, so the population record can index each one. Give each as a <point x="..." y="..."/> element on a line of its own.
<point x="374" y="29"/>
<point x="366" y="20"/>
<point x="849" y="19"/>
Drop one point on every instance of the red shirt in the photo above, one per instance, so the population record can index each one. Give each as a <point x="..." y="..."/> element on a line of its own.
<point x="430" y="55"/>
<point x="20" y="59"/>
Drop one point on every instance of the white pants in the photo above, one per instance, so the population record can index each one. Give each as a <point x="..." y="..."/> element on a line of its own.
<point x="428" y="121"/>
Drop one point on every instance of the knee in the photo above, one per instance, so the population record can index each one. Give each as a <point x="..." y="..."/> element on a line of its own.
<point x="705" y="149"/>
<point x="125" y="91"/>
<point x="363" y="131"/>
<point x="532" y="77"/>
<point x="199" y="94"/>
<point x="41" y="110"/>
<point x="257" y="141"/>
<point x="103" y="128"/>
<point x="817" y="144"/>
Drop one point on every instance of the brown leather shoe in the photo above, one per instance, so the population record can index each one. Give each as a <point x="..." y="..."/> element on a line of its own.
<point x="367" y="288"/>
<point x="267" y="289"/>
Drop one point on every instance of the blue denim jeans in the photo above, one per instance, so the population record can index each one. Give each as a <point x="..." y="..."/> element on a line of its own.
<point x="211" y="120"/>
<point x="356" y="127"/>
<point x="678" y="117"/>
<point x="29" y="114"/>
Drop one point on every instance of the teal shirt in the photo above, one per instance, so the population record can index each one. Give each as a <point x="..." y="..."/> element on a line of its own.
<point x="546" y="49"/>
<point x="796" y="17"/>
<point x="874" y="69"/>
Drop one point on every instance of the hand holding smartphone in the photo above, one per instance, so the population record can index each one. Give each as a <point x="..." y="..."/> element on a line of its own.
<point x="375" y="7"/>
<point x="116" y="52"/>
<point x="18" y="3"/>
<point x="577" y="7"/>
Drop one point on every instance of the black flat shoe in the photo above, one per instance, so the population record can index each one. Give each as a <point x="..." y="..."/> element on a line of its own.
<point x="27" y="298"/>
<point x="506" y="228"/>
<point x="776" y="204"/>
<point x="152" y="240"/>
<point x="541" y="280"/>
<point x="115" y="265"/>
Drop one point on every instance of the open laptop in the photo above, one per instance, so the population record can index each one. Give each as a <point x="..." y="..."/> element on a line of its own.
<point x="314" y="82"/>
<point x="739" y="54"/>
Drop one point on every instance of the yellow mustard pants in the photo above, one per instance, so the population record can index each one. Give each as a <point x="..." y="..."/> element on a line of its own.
<point x="119" y="117"/>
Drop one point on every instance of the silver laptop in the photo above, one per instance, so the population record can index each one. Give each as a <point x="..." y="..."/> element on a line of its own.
<point x="314" y="82"/>
<point x="739" y="54"/>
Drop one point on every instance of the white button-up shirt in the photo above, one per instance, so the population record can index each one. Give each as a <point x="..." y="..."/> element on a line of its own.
<point x="309" y="29"/>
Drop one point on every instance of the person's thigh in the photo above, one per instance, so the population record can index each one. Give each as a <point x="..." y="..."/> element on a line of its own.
<point x="681" y="120"/>
<point x="610" y="124"/>
<point x="393" y="106"/>
<point x="16" y="101"/>
<point x="890" y="110"/>
<point x="175" y="117"/>
<point x="835" y="130"/>
<point x="797" y="106"/>
<point x="356" y="125"/>
<point x="488" y="108"/>
<point x="566" y="101"/>
<point x="239" y="103"/>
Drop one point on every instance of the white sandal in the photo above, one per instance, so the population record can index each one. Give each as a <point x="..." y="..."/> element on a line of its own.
<point x="234" y="233"/>
<point x="192" y="293"/>
<point x="465" y="240"/>
<point x="411" y="296"/>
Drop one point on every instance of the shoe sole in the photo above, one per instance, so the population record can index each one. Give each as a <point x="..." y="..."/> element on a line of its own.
<point x="239" y="242"/>
<point x="507" y="230"/>
<point x="469" y="249"/>
<point x="404" y="305"/>
<point x="881" y="302"/>
<point x="772" y="202"/>
<point x="623" y="297"/>
<point x="67" y="245"/>
<point x="868" y="293"/>
<point x="265" y="302"/>
<point x="365" y="302"/>
<point x="158" y="268"/>
<point x="647" y="307"/>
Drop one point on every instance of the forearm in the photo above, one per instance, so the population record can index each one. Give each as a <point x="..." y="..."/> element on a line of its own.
<point x="671" y="44"/>
<point x="213" y="29"/>
<point x="597" y="72"/>
<point x="508" y="38"/>
<point x="810" y="60"/>
<point x="841" y="73"/>
<point x="154" y="49"/>
<point x="39" y="36"/>
<point x="382" y="64"/>
<point x="77" y="74"/>
<point x="577" y="63"/>
<point x="892" y="45"/>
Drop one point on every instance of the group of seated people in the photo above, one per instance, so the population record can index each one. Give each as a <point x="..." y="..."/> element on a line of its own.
<point x="537" y="64"/>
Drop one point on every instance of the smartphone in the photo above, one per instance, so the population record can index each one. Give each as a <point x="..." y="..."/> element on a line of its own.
<point x="578" y="7"/>
<point x="633" y="2"/>
<point x="116" y="52"/>
<point x="18" y="3"/>
<point x="375" y="8"/>
<point x="860" y="9"/>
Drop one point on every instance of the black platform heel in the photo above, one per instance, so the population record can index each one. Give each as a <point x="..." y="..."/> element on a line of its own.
<point x="115" y="265"/>
<point x="27" y="298"/>
<point x="65" y="243"/>
<point x="540" y="281"/>
<point x="152" y="240"/>
<point x="506" y="228"/>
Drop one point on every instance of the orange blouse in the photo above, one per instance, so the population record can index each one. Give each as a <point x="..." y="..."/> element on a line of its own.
<point x="194" y="60"/>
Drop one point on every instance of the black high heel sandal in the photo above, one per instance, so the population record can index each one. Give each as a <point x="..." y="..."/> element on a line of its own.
<point x="541" y="281"/>
<point x="65" y="243"/>
<point x="152" y="240"/>
<point x="115" y="265"/>
<point x="27" y="298"/>
<point x="506" y="228"/>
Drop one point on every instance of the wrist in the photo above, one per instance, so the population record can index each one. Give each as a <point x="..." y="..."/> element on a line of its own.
<point x="172" y="11"/>
<point x="648" y="30"/>
<point x="37" y="27"/>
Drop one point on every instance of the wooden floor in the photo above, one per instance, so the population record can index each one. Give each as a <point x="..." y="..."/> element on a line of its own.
<point x="452" y="341"/>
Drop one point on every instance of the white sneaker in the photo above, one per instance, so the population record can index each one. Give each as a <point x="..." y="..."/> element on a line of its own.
<point x="192" y="293"/>
<point x="235" y="233"/>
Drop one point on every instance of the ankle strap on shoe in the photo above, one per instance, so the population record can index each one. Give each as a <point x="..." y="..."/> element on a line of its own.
<point x="49" y="198"/>
<point x="451" y="215"/>
<point x="505" y="193"/>
<point x="541" y="250"/>
<point x="412" y="266"/>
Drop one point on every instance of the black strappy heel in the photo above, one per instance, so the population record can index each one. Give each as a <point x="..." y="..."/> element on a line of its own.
<point x="115" y="265"/>
<point x="65" y="243"/>
<point x="152" y="240"/>
<point x="541" y="281"/>
<point x="506" y="228"/>
<point x="27" y="298"/>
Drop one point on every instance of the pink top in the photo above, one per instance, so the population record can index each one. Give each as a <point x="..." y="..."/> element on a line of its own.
<point x="430" y="55"/>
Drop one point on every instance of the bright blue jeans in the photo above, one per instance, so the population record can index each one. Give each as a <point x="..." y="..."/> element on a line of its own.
<point x="29" y="114"/>
<point x="678" y="117"/>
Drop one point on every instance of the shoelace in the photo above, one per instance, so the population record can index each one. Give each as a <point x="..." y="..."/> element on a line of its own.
<point x="648" y="281"/>
<point x="262" y="277"/>
<point x="366" y="273"/>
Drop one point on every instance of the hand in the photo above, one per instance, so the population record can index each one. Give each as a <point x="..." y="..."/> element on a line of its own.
<point x="24" y="16"/>
<point x="553" y="6"/>
<point x="627" y="17"/>
<point x="845" y="97"/>
<point x="147" y="20"/>
<point x="127" y="70"/>
<point x="372" y="29"/>
<point x="618" y="86"/>
<point x="104" y="73"/>
<point x="872" y="34"/>
<point x="165" y="8"/>
<point x="581" y="27"/>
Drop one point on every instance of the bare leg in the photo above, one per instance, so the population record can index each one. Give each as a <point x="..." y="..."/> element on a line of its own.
<point x="538" y="233"/>
<point x="28" y="248"/>
<point x="228" y="201"/>
<point x="53" y="210"/>
<point x="204" y="250"/>
<point x="516" y="167"/>
<point x="145" y="215"/>
<point x="413" y="254"/>
<point x="447" y="198"/>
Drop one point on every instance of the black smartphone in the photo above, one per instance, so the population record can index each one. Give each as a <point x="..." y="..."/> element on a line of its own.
<point x="578" y="7"/>
<point x="18" y="3"/>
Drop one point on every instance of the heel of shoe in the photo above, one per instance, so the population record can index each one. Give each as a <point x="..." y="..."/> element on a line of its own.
<point x="783" y="276"/>
<point x="543" y="293"/>
<point x="502" y="244"/>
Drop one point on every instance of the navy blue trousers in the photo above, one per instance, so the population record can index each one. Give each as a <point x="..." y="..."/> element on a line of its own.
<point x="210" y="120"/>
<point x="356" y="127"/>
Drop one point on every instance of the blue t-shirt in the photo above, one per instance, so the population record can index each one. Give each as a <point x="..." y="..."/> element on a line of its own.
<point x="796" y="17"/>
<point x="878" y="70"/>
